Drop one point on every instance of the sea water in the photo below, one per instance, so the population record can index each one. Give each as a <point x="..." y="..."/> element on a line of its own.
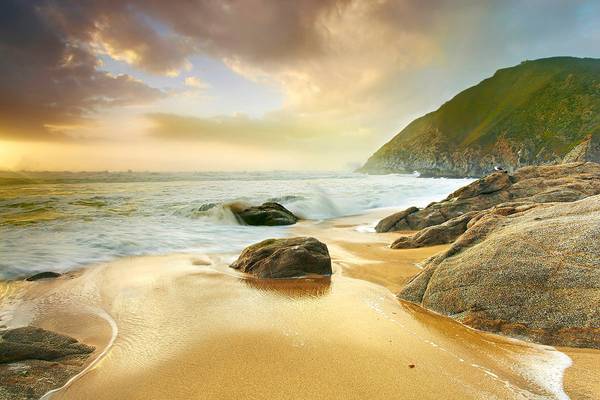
<point x="62" y="221"/>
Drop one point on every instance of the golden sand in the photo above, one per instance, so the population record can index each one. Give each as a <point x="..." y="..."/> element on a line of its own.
<point x="191" y="328"/>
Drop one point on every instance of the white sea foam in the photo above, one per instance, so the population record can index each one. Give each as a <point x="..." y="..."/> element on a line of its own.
<point x="98" y="217"/>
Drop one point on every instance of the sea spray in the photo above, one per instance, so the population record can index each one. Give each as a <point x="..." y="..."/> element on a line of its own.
<point x="57" y="223"/>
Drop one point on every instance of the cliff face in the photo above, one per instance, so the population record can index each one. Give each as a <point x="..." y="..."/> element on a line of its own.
<point x="538" y="112"/>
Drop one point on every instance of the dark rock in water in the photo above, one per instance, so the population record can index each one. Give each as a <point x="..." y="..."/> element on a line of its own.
<point x="285" y="258"/>
<point x="43" y="275"/>
<point x="34" y="361"/>
<point x="541" y="184"/>
<point x="268" y="214"/>
<point x="528" y="271"/>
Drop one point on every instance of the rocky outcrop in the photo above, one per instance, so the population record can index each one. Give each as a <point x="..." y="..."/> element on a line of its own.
<point x="437" y="234"/>
<point x="34" y="361"/>
<point x="268" y="214"/>
<point x="285" y="258"/>
<point x="539" y="112"/>
<point x="541" y="184"/>
<point x="589" y="149"/>
<point x="534" y="273"/>
<point x="396" y="221"/>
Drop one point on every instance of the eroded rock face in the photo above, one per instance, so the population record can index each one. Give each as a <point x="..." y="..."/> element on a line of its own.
<point x="285" y="258"/>
<point x="34" y="361"/>
<point x="437" y="234"/>
<point x="536" y="184"/>
<point x="268" y="214"/>
<point x="532" y="272"/>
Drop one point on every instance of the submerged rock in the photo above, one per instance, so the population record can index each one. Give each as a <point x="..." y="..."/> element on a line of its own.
<point x="285" y="258"/>
<point x="43" y="275"/>
<point x="528" y="271"/>
<point x="268" y="214"/>
<point x="537" y="184"/>
<point x="34" y="361"/>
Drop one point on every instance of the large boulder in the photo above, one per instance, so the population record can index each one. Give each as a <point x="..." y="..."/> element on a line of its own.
<point x="34" y="361"/>
<point x="537" y="184"/>
<point x="533" y="272"/>
<point x="268" y="214"/>
<point x="437" y="234"/>
<point x="448" y="231"/>
<point x="285" y="258"/>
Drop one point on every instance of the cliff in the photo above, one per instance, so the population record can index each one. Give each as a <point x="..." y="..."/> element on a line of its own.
<point x="539" y="112"/>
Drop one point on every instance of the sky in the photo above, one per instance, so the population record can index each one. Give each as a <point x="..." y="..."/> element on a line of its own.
<point x="202" y="85"/>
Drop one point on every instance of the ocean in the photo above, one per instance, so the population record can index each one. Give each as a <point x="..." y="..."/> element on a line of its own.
<point x="59" y="221"/>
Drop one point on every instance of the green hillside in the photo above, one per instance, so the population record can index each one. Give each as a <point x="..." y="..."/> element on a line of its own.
<point x="534" y="113"/>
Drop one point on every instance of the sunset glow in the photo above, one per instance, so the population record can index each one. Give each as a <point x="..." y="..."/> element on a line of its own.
<point x="147" y="85"/>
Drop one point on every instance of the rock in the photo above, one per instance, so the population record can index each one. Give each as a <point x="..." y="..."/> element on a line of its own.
<point x="528" y="271"/>
<point x="34" y="361"/>
<point x="589" y="149"/>
<point x="35" y="343"/>
<point x="453" y="228"/>
<point x="437" y="234"/>
<point x="43" y="275"/>
<point x="489" y="184"/>
<point x="285" y="258"/>
<point x="538" y="184"/>
<point x="395" y="222"/>
<point x="269" y="214"/>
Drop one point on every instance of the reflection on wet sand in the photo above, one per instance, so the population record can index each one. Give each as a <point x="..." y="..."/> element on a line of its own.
<point x="292" y="288"/>
<point x="190" y="329"/>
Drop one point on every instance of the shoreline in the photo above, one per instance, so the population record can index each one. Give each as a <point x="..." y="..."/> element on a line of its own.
<point x="363" y="265"/>
<point x="95" y="360"/>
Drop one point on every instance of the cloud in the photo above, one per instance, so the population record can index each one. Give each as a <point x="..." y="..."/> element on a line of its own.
<point x="275" y="131"/>
<point x="348" y="69"/>
<point x="195" y="82"/>
<point x="384" y="60"/>
<point x="50" y="83"/>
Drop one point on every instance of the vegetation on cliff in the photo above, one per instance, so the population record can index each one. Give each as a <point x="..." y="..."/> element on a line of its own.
<point x="537" y="112"/>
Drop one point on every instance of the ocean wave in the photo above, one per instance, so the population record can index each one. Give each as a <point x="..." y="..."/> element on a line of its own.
<point x="23" y="205"/>
<point x="222" y="213"/>
<point x="31" y="218"/>
<point x="58" y="227"/>
<point x="289" y="198"/>
<point x="90" y="203"/>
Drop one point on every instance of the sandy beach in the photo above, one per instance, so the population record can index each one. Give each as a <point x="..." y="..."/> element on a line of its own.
<point x="299" y="200"/>
<point x="186" y="326"/>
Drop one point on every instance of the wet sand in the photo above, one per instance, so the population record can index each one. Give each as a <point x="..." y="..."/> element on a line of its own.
<point x="190" y="327"/>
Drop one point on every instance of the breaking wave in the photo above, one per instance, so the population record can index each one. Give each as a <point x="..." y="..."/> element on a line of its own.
<point x="62" y="222"/>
